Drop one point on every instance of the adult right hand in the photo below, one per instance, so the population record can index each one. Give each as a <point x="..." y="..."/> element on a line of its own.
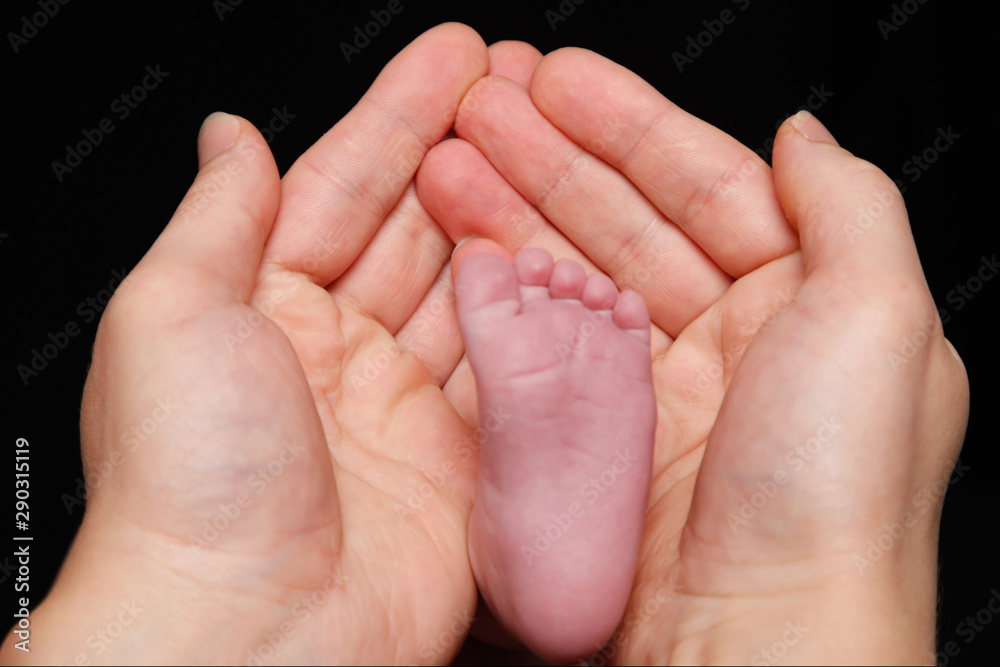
<point x="809" y="404"/>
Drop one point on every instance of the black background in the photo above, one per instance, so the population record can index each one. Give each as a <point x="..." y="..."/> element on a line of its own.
<point x="62" y="241"/>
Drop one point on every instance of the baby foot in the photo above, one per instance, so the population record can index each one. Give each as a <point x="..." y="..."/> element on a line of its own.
<point x="562" y="366"/>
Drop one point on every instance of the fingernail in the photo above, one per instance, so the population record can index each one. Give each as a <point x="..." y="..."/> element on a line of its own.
<point x="810" y="128"/>
<point x="217" y="133"/>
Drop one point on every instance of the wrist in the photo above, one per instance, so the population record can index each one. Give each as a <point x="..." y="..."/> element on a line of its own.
<point x="112" y="605"/>
<point x="724" y="607"/>
<point x="884" y="614"/>
<point x="876" y="627"/>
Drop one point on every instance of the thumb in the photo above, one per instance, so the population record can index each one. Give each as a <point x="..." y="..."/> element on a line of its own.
<point x="216" y="236"/>
<point x="851" y="219"/>
<point x="864" y="282"/>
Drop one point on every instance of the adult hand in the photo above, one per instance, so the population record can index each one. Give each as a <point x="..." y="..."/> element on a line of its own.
<point x="265" y="470"/>
<point x="810" y="409"/>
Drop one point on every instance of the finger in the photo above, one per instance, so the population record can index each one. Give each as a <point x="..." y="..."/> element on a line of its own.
<point x="432" y="331"/>
<point x="716" y="189"/>
<point x="593" y="204"/>
<point x="465" y="194"/>
<point x="850" y="216"/>
<point x="391" y="276"/>
<point x="337" y="194"/>
<point x="217" y="234"/>
<point x="514" y="60"/>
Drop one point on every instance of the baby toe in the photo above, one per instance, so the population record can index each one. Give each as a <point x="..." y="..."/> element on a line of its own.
<point x="600" y="292"/>
<point x="567" y="280"/>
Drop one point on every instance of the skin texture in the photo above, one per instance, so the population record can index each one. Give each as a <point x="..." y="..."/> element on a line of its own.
<point x="310" y="422"/>
<point x="562" y="371"/>
<point x="370" y="503"/>
<point x="775" y="372"/>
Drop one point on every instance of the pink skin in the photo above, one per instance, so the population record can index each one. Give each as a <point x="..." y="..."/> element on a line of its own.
<point x="562" y="366"/>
